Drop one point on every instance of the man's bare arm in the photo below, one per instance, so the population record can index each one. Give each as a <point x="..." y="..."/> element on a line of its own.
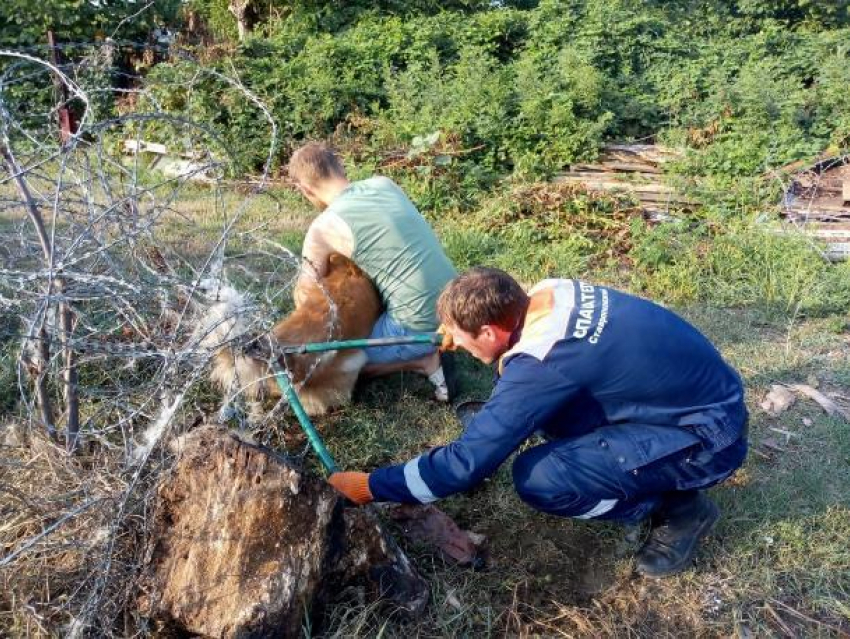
<point x="327" y="234"/>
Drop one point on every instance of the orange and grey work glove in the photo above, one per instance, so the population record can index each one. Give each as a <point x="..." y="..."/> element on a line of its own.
<point x="448" y="343"/>
<point x="353" y="485"/>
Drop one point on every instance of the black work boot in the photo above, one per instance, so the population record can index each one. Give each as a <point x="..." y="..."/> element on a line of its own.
<point x="676" y="531"/>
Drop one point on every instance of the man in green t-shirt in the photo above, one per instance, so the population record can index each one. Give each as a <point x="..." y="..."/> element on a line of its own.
<point x="375" y="224"/>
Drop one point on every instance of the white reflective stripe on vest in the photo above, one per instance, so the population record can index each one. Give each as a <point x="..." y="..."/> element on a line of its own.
<point x="415" y="484"/>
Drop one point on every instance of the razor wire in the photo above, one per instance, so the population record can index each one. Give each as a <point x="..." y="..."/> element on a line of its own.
<point x="116" y="241"/>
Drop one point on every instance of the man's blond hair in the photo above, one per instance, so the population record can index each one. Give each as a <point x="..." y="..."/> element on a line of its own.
<point x="315" y="162"/>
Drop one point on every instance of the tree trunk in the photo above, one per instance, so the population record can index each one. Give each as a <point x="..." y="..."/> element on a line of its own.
<point x="42" y="348"/>
<point x="243" y="544"/>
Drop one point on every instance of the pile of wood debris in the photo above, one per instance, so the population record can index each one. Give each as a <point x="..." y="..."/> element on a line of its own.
<point x="634" y="169"/>
<point x="818" y="202"/>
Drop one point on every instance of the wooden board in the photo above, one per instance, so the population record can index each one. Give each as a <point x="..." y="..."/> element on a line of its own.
<point x="617" y="167"/>
<point x="632" y="169"/>
<point x="598" y="184"/>
<point x="648" y="153"/>
<point x="816" y="214"/>
<point x="800" y="205"/>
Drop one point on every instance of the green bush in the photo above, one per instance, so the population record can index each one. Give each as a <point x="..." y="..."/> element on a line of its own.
<point x="532" y="89"/>
<point x="226" y="120"/>
<point x="816" y="12"/>
<point x="25" y="23"/>
<point x="560" y="116"/>
<point x="752" y="104"/>
<point x="9" y="347"/>
<point x="458" y="101"/>
<point x="429" y="97"/>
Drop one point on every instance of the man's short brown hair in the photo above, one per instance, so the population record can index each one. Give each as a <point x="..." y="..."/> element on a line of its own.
<point x="315" y="162"/>
<point x="482" y="296"/>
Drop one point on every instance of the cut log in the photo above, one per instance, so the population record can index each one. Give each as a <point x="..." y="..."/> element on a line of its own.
<point x="243" y="544"/>
<point x="845" y="191"/>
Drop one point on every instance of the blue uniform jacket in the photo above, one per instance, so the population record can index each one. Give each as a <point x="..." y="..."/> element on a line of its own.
<point x="587" y="356"/>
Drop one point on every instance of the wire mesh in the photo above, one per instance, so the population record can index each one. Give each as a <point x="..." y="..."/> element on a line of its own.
<point x="118" y="234"/>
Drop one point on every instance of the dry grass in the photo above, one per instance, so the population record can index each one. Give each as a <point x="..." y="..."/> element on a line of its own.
<point x="72" y="536"/>
<point x="778" y="564"/>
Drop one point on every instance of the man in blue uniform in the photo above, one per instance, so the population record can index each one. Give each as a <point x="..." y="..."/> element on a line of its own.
<point x="638" y="410"/>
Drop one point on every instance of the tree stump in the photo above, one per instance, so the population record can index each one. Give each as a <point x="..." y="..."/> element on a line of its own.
<point x="244" y="544"/>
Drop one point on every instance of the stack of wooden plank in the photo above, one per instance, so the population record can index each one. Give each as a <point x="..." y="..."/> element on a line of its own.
<point x="636" y="169"/>
<point x="818" y="202"/>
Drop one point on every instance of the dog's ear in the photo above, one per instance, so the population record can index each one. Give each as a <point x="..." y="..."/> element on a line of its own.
<point x="337" y="260"/>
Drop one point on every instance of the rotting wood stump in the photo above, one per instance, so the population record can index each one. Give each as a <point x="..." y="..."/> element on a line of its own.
<point x="245" y="545"/>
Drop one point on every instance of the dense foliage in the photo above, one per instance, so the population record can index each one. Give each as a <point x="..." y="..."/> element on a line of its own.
<point x="752" y="84"/>
<point x="26" y="23"/>
<point x="450" y="98"/>
<point x="528" y="87"/>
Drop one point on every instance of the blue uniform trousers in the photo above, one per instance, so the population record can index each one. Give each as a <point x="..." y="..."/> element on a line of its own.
<point x="621" y="472"/>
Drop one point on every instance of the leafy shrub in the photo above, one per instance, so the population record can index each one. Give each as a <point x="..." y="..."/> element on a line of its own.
<point x="560" y="117"/>
<point x="450" y="98"/>
<point x="819" y="12"/>
<point x="427" y="97"/>
<point x="24" y="23"/>
<point x="760" y="102"/>
<point x="8" y="363"/>
<point x="235" y="126"/>
<point x="534" y="89"/>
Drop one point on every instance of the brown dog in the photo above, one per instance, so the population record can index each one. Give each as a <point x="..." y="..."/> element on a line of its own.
<point x="323" y="380"/>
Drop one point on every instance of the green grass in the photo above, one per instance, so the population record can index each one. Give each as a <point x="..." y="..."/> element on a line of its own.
<point x="779" y="562"/>
<point x="777" y="565"/>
